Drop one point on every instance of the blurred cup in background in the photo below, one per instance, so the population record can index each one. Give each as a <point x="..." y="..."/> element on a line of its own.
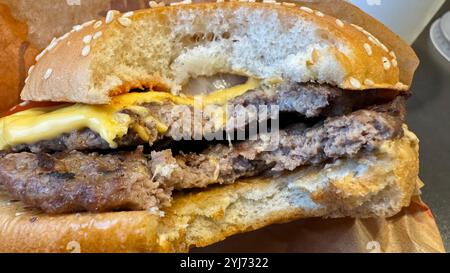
<point x="407" y="18"/>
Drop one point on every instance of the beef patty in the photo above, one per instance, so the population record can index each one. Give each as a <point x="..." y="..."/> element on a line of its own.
<point x="76" y="181"/>
<point x="307" y="99"/>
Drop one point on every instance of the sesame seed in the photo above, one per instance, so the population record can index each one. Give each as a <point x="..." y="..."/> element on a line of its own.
<point x="369" y="82"/>
<point x="372" y="40"/>
<point x="153" y="4"/>
<point x="367" y="33"/>
<point x="126" y="22"/>
<point x="48" y="73"/>
<point x="368" y="49"/>
<point x="87" y="39"/>
<point x="376" y="40"/>
<point x="219" y="1"/>
<point x="98" y="24"/>
<point x="52" y="44"/>
<point x="384" y="47"/>
<point x="288" y="4"/>
<point x="97" y="35"/>
<point x="152" y="210"/>
<point x="308" y="10"/>
<point x="252" y="1"/>
<point x="320" y="14"/>
<point x="128" y="14"/>
<point x="85" y="51"/>
<point x="392" y="53"/>
<point x="355" y="83"/>
<point x="340" y="23"/>
<point x="269" y="1"/>
<point x="386" y="63"/>
<point x="187" y="1"/>
<point x="394" y="62"/>
<point x="110" y="16"/>
<point x="38" y="57"/>
<point x="88" y="23"/>
<point x="77" y="28"/>
<point x="357" y="27"/>
<point x="24" y="103"/>
<point x="30" y="69"/>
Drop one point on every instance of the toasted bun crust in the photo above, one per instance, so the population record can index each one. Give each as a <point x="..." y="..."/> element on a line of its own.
<point x="377" y="184"/>
<point x="165" y="46"/>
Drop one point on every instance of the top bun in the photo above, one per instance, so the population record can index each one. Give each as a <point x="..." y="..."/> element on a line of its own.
<point x="166" y="46"/>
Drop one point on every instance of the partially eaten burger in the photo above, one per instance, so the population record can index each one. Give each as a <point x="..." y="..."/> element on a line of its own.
<point x="101" y="154"/>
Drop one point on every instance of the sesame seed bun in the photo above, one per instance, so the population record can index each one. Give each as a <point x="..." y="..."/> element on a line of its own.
<point x="165" y="46"/>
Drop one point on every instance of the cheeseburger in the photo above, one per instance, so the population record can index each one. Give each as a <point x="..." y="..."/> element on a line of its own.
<point x="128" y="136"/>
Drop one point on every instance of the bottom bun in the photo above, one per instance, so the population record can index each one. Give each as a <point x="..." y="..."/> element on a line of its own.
<point x="378" y="184"/>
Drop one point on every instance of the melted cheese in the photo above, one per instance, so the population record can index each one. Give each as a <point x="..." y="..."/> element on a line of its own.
<point x="219" y="97"/>
<point x="38" y="124"/>
<point x="34" y="125"/>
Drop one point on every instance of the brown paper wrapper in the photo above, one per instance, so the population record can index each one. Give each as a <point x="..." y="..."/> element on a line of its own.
<point x="413" y="230"/>
<point x="28" y="26"/>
